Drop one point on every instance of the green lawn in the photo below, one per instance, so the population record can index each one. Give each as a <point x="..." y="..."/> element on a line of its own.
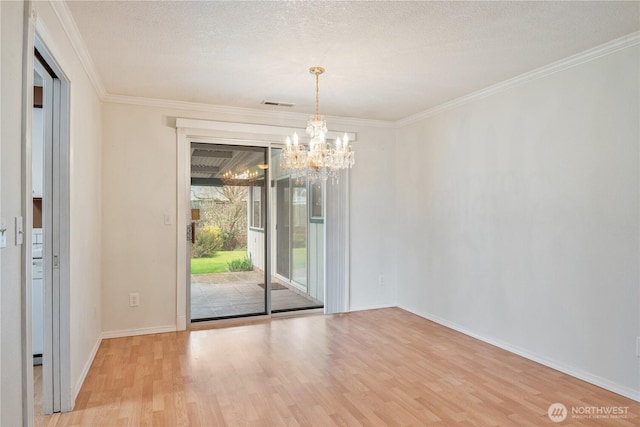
<point x="217" y="263"/>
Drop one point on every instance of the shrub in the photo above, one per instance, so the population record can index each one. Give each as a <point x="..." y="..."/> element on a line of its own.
<point x="208" y="242"/>
<point x="240" y="264"/>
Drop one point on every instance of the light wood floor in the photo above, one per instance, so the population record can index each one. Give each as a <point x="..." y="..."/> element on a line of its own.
<point x="380" y="368"/>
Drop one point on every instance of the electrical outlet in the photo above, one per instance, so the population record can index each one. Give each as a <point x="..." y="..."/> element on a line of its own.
<point x="167" y="219"/>
<point x="134" y="299"/>
<point x="381" y="280"/>
<point x="638" y="346"/>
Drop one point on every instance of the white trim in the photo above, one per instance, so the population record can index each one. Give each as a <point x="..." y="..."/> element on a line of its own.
<point x="38" y="37"/>
<point x="23" y="388"/>
<point x="77" y="42"/>
<point x="577" y="373"/>
<point x="232" y="321"/>
<point x="268" y="132"/>
<point x="547" y="70"/>
<point x="297" y="313"/>
<point x="52" y="46"/>
<point x="30" y="16"/>
<point x="138" y="331"/>
<point x="85" y="370"/>
<point x="245" y="112"/>
<point x="183" y="220"/>
<point x="372" y="307"/>
<point x="181" y="322"/>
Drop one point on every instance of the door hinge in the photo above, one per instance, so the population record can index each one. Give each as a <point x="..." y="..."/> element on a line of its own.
<point x="56" y="262"/>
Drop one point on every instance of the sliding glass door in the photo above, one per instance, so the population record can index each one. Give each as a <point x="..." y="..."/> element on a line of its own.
<point x="228" y="233"/>
<point x="299" y="219"/>
<point x="298" y="250"/>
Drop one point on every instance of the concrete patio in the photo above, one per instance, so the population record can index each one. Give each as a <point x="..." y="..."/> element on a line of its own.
<point x="240" y="293"/>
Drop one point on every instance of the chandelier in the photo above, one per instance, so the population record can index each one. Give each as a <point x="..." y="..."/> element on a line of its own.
<point x="242" y="178"/>
<point x="322" y="159"/>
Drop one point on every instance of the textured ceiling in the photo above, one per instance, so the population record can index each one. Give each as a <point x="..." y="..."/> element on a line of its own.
<point x="384" y="60"/>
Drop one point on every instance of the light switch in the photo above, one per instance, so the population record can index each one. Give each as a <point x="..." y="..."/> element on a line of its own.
<point x="19" y="230"/>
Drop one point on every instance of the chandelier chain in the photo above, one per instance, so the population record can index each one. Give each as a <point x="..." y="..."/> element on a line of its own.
<point x="317" y="96"/>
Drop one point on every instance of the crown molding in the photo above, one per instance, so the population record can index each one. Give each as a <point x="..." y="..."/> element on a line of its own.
<point x="624" y="42"/>
<point x="63" y="13"/>
<point x="247" y="112"/>
<point x="271" y="133"/>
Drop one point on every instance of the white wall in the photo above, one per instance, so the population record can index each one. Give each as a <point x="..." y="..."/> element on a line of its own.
<point x="139" y="187"/>
<point x="373" y="221"/>
<point x="10" y="203"/>
<point x="255" y="246"/>
<point x="518" y="219"/>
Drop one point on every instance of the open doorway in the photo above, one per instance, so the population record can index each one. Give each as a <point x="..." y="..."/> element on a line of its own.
<point x="40" y="119"/>
<point x="47" y="198"/>
<point x="228" y="276"/>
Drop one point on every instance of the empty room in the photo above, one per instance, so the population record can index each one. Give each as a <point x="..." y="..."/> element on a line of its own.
<point x="319" y="213"/>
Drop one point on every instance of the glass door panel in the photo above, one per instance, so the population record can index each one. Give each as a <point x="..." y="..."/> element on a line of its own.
<point x="298" y="247"/>
<point x="299" y="219"/>
<point x="228" y="274"/>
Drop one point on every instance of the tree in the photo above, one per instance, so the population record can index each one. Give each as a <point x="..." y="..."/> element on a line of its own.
<point x="224" y="207"/>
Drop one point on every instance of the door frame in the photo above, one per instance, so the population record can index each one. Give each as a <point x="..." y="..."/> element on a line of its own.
<point x="290" y="280"/>
<point x="37" y="37"/>
<point x="231" y="133"/>
<point x="183" y="221"/>
<point x="265" y="218"/>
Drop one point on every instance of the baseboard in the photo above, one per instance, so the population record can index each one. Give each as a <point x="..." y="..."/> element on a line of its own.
<point x="581" y="375"/>
<point x="139" y="331"/>
<point x="371" y="307"/>
<point x="85" y="371"/>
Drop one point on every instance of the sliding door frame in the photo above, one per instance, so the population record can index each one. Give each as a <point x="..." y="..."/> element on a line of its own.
<point x="62" y="397"/>
<point x="183" y="222"/>
<point x="232" y="133"/>
<point x="266" y="151"/>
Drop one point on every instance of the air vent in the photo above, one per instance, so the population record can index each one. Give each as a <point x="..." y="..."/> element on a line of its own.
<point x="278" y="103"/>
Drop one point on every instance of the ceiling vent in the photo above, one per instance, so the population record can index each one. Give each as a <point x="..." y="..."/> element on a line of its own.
<point x="278" y="103"/>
